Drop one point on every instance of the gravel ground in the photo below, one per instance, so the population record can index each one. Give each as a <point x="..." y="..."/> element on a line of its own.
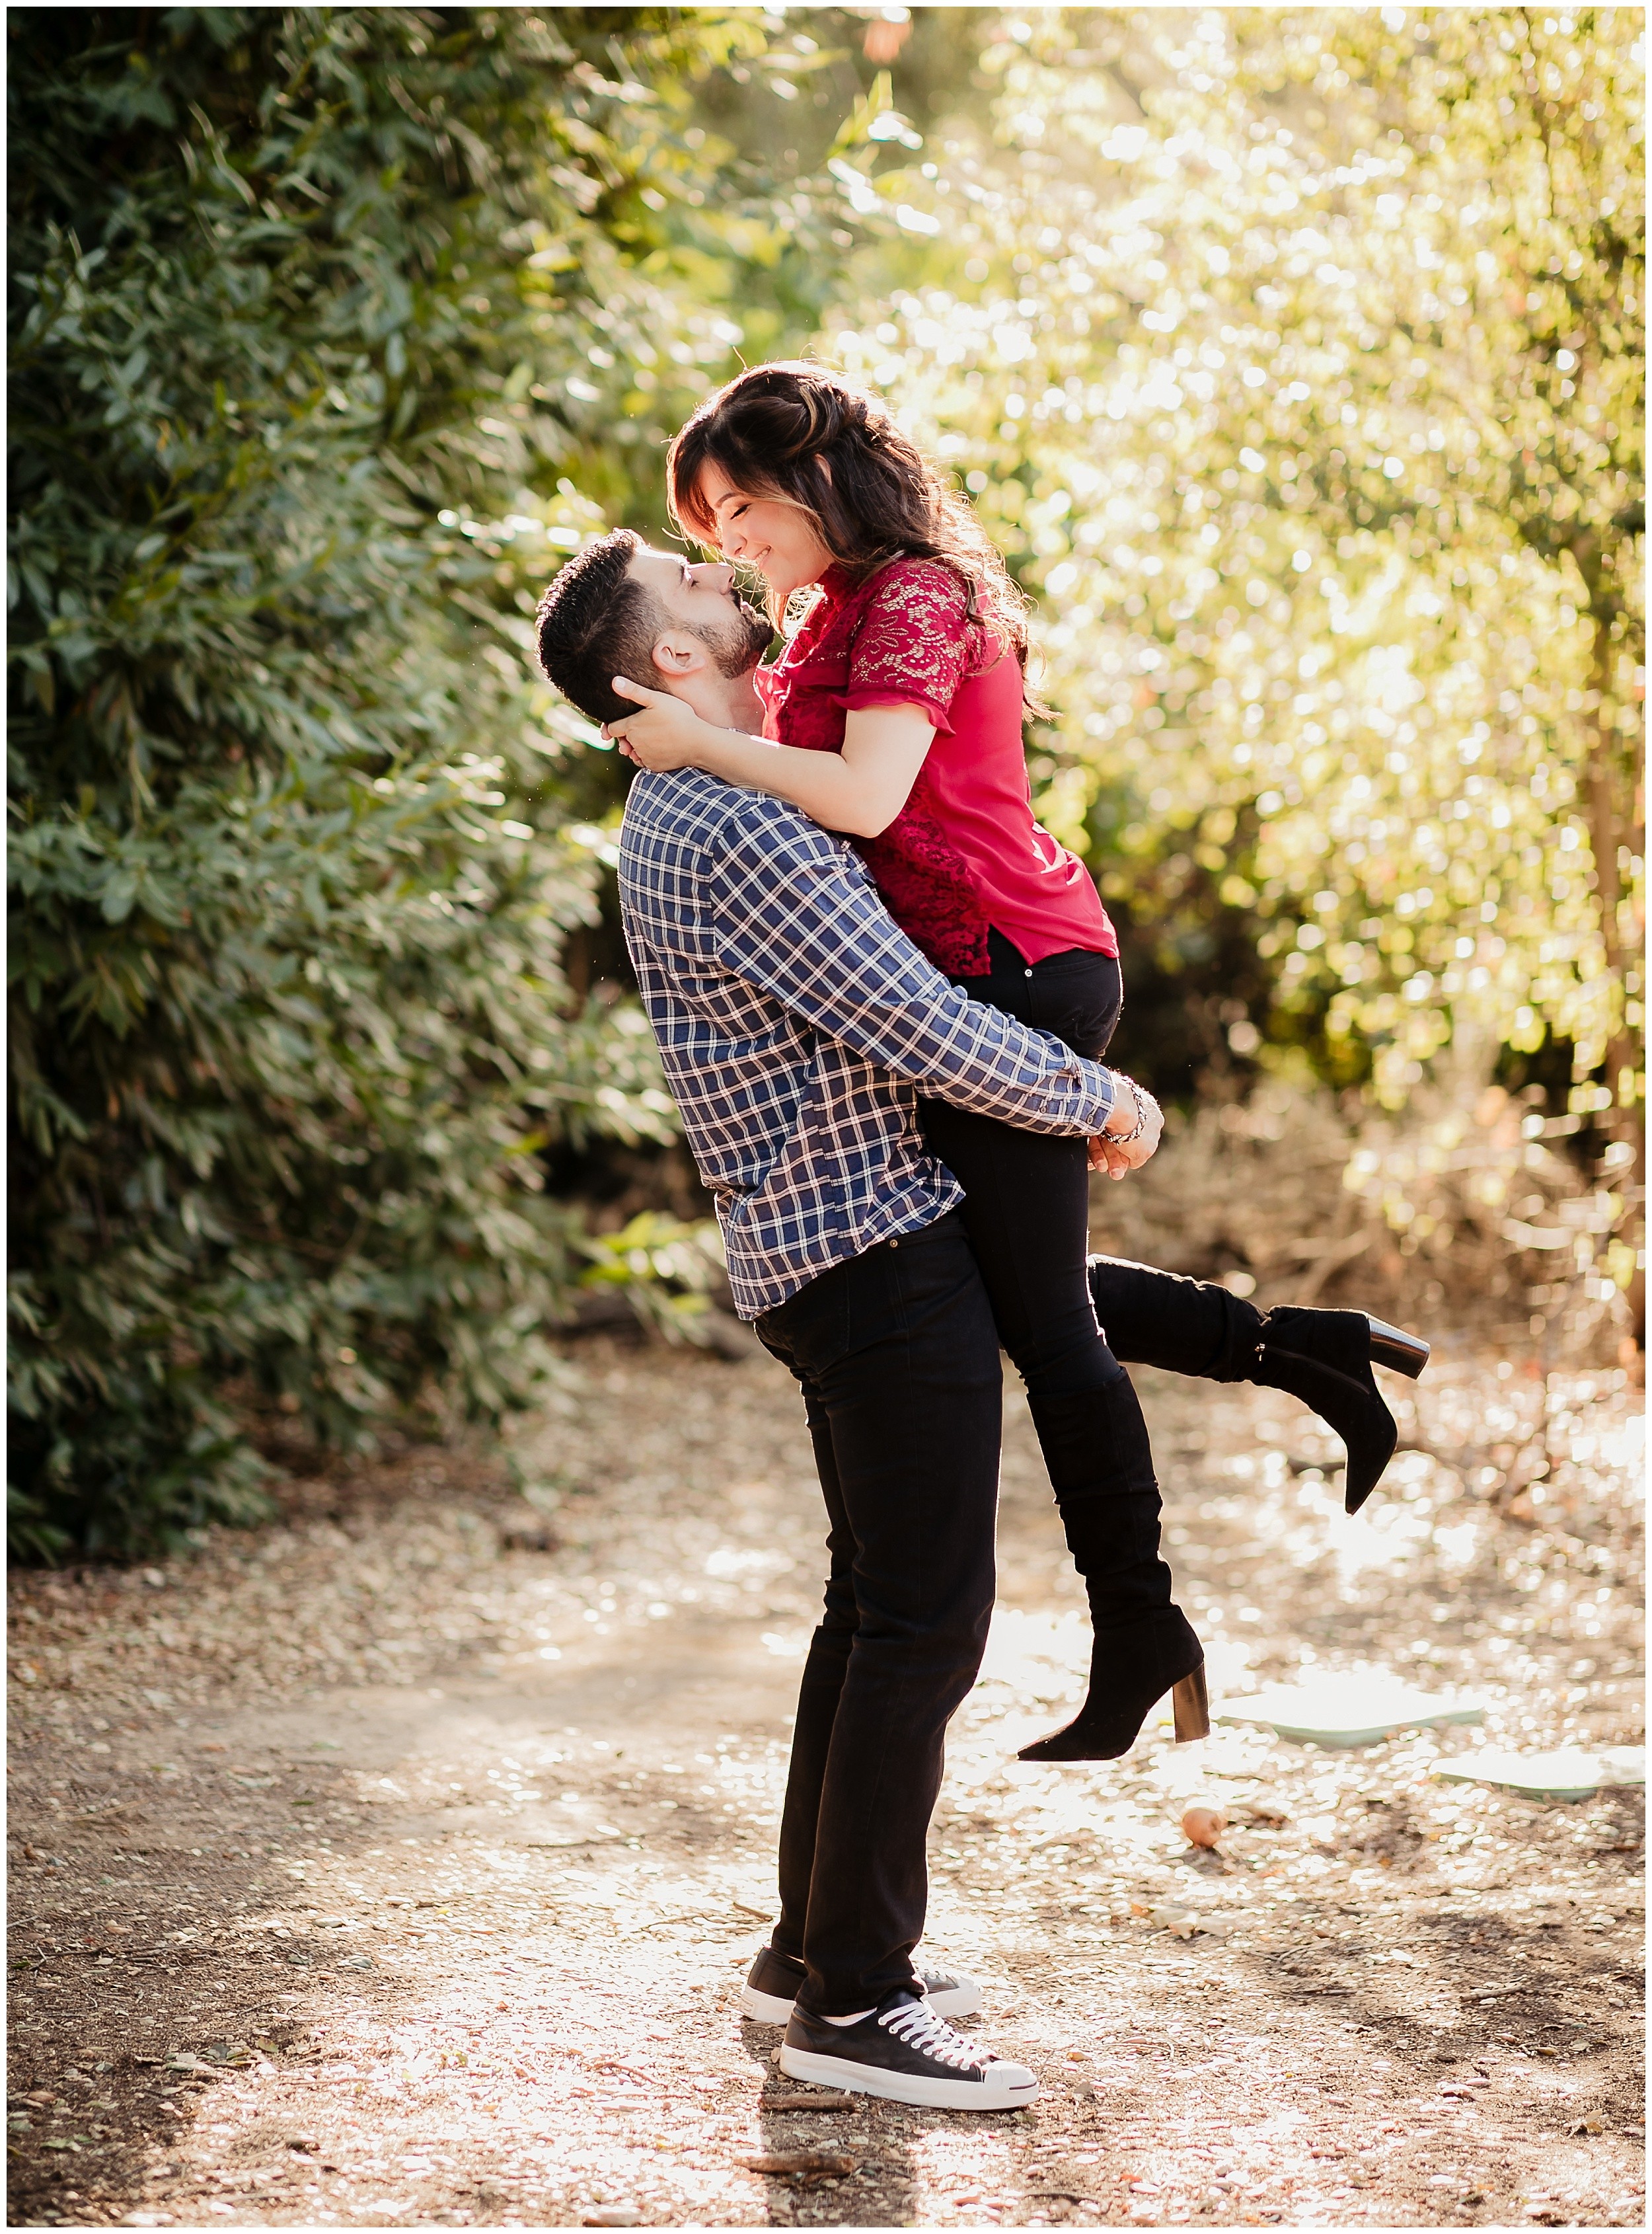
<point x="382" y="1869"/>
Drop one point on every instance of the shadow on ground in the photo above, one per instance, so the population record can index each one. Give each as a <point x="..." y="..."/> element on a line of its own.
<point x="368" y="1871"/>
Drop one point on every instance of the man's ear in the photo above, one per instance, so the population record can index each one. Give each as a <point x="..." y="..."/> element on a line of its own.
<point x="678" y="655"/>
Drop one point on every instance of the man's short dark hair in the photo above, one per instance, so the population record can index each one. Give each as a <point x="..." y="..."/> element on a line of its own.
<point x="595" y="622"/>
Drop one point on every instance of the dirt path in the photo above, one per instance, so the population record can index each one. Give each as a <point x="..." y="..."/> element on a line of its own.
<point x="368" y="1871"/>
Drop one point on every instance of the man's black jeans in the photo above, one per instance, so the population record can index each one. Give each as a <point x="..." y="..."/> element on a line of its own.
<point x="898" y="1355"/>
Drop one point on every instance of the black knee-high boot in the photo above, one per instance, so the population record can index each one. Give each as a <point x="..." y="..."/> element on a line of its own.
<point x="1324" y="1358"/>
<point x="1096" y="1449"/>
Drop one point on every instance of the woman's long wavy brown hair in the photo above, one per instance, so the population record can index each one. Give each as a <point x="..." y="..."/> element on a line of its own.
<point x="773" y="428"/>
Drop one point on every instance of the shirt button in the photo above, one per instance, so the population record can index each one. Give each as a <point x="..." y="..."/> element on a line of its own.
<point x="1026" y="973"/>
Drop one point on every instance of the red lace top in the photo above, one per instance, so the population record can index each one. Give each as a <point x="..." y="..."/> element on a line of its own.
<point x="964" y="855"/>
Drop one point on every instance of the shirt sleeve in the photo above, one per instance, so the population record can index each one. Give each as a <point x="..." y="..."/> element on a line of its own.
<point x="912" y="646"/>
<point x="798" y="917"/>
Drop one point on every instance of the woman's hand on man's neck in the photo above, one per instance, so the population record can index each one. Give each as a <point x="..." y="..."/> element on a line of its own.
<point x="727" y="702"/>
<point x="684" y="665"/>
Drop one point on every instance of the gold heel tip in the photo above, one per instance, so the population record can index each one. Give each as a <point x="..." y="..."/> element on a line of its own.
<point x="1190" y="1707"/>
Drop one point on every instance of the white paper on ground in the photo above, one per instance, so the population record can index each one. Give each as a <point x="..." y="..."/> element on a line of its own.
<point x="1566" y="1772"/>
<point x="1347" y="1709"/>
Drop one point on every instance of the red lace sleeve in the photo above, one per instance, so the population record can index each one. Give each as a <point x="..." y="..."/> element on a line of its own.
<point x="913" y="644"/>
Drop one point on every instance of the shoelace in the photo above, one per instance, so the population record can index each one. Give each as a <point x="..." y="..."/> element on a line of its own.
<point x="931" y="2036"/>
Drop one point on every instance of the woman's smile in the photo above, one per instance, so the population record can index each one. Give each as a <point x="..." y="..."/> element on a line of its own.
<point x="772" y="535"/>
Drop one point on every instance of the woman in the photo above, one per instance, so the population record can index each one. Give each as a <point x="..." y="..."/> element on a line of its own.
<point x="895" y="716"/>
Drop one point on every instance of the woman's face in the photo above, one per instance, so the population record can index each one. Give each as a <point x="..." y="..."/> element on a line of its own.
<point x="777" y="538"/>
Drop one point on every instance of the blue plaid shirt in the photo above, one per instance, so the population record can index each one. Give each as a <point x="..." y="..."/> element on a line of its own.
<point x="798" y="1025"/>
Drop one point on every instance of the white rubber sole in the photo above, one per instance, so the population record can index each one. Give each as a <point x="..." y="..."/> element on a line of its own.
<point x="838" y="2071"/>
<point x="764" y="2009"/>
<point x="963" y="2001"/>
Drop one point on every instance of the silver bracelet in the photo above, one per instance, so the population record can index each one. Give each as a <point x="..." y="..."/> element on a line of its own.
<point x="1123" y="1139"/>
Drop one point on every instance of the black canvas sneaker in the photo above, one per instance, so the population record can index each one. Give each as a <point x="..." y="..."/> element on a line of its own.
<point x="771" y="1984"/>
<point x="904" y="2053"/>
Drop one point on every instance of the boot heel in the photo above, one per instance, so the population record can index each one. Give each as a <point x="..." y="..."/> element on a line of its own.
<point x="1393" y="1347"/>
<point x="1190" y="1704"/>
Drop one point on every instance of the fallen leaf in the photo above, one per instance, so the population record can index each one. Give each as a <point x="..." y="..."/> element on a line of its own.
<point x="613" y="2214"/>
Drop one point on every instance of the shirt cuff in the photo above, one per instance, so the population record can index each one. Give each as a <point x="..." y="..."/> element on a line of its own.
<point x="891" y="694"/>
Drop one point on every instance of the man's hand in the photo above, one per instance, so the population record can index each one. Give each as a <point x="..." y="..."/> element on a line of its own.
<point x="663" y="734"/>
<point x="1104" y="1157"/>
<point x="1119" y="1158"/>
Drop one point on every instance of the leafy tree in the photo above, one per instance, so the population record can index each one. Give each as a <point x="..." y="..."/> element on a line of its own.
<point x="1292" y="355"/>
<point x="311" y="308"/>
<point x="1296" y="354"/>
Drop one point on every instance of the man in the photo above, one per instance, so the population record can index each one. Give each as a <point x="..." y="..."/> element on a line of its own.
<point x="797" y="1025"/>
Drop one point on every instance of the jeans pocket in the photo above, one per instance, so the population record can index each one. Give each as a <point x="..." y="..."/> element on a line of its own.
<point x="810" y="1330"/>
<point x="1073" y="962"/>
<point x="1079" y="997"/>
<point x="1089" y="1032"/>
<point x="922" y="1274"/>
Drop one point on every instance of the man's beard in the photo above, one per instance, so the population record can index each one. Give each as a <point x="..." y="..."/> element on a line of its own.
<point x="739" y="644"/>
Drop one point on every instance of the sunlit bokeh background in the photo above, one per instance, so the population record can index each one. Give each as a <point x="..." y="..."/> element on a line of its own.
<point x="1292" y="357"/>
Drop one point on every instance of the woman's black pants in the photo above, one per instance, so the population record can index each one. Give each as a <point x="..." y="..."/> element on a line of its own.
<point x="1067" y="1323"/>
<point x="1028" y="1194"/>
<point x="1027" y="1213"/>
